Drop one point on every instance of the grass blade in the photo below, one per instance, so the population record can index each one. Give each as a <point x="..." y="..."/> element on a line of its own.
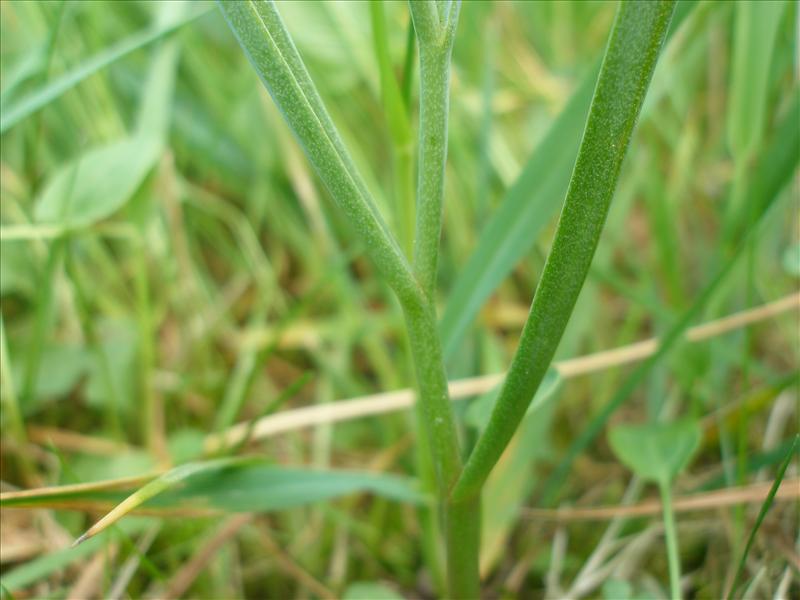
<point x="152" y="489"/>
<point x="37" y="100"/>
<point x="763" y="513"/>
<point x="634" y="45"/>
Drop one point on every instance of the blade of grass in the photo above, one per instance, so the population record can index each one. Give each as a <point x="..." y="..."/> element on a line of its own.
<point x="763" y="513"/>
<point x="154" y="488"/>
<point x="40" y="98"/>
<point x="636" y="39"/>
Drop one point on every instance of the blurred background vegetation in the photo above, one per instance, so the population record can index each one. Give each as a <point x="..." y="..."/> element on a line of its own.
<point x="171" y="266"/>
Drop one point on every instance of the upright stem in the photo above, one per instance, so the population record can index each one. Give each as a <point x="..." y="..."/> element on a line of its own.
<point x="435" y="25"/>
<point x="433" y="106"/>
<point x="463" y="540"/>
<point x="437" y="409"/>
<point x="672" y="542"/>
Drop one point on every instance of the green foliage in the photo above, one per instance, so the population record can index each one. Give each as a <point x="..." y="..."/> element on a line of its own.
<point x="361" y="590"/>
<point x="36" y="100"/>
<point x="656" y="452"/>
<point x="170" y="293"/>
<point x="98" y="183"/>
<point x="756" y="28"/>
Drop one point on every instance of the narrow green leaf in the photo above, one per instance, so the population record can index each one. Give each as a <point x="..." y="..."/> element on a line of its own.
<point x="40" y="98"/>
<point x="765" y="506"/>
<point x="152" y="489"/>
<point x="634" y="45"/>
<point x="755" y="31"/>
<point x="656" y="451"/>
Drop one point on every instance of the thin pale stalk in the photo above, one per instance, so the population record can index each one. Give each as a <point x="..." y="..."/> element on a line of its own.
<point x="671" y="534"/>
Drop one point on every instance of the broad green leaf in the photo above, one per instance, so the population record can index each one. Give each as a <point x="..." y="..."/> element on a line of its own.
<point x="364" y="590"/>
<point x="97" y="183"/>
<point x="62" y="367"/>
<point x="656" y="451"/>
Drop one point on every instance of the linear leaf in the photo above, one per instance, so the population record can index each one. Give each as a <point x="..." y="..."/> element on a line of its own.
<point x="634" y="45"/>
<point x="40" y="98"/>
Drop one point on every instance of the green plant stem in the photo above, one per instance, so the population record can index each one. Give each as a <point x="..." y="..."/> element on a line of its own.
<point x="462" y="522"/>
<point x="150" y="422"/>
<point x="269" y="47"/>
<point x="433" y="106"/>
<point x="435" y="47"/>
<point x="636" y="40"/>
<point x="437" y="409"/>
<point x="672" y="542"/>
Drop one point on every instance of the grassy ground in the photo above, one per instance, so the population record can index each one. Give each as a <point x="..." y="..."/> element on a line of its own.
<point x="172" y="267"/>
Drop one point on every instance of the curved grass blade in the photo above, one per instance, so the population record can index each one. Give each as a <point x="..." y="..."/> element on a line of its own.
<point x="152" y="489"/>
<point x="763" y="513"/>
<point x="37" y="100"/>
<point x="527" y="207"/>
<point x="634" y="45"/>
<point x="234" y="484"/>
